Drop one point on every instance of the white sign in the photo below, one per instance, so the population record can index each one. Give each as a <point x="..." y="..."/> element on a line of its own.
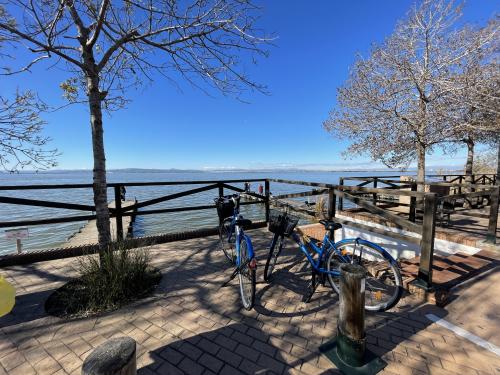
<point x="16" y="234"/>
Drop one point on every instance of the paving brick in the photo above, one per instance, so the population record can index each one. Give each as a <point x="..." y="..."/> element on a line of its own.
<point x="168" y="368"/>
<point x="264" y="348"/>
<point x="271" y="364"/>
<point x="70" y="362"/>
<point x="190" y="367"/>
<point x="171" y="355"/>
<point x="210" y="362"/>
<point x="229" y="357"/>
<point x="247" y="352"/>
<point x="242" y="338"/>
<point x="229" y="370"/>
<point x="226" y="342"/>
<point x="12" y="360"/>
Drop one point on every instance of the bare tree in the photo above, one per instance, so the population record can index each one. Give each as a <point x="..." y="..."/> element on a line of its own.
<point x="112" y="45"/>
<point x="393" y="105"/>
<point x="474" y="92"/>
<point x="21" y="142"/>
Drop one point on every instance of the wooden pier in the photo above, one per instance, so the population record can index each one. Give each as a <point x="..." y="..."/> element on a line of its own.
<point x="88" y="233"/>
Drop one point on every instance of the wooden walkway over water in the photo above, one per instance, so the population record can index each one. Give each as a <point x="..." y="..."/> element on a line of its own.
<point x="88" y="233"/>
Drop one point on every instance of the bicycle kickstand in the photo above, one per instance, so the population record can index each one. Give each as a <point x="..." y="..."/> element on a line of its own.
<point x="311" y="288"/>
<point x="236" y="271"/>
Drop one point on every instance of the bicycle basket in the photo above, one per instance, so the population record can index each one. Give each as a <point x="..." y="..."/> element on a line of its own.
<point x="289" y="224"/>
<point x="225" y="208"/>
<point x="276" y="221"/>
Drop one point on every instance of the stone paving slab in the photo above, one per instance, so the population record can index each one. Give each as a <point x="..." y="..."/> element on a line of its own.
<point x="192" y="326"/>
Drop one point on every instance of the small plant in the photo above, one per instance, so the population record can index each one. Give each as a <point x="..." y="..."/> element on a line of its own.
<point x="105" y="283"/>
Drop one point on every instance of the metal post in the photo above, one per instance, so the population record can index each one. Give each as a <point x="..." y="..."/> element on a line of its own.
<point x="492" y="226"/>
<point x="266" y="192"/>
<point x="341" y="200"/>
<point x="413" y="203"/>
<point x="424" y="277"/>
<point x="118" y="218"/>
<point x="331" y="203"/>
<point x="348" y="350"/>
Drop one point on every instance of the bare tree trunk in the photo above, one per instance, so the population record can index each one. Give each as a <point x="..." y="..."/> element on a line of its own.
<point x="99" y="172"/>
<point x="498" y="165"/>
<point x="421" y="167"/>
<point x="470" y="160"/>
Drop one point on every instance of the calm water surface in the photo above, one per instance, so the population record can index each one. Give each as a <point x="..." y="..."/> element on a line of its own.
<point x="55" y="235"/>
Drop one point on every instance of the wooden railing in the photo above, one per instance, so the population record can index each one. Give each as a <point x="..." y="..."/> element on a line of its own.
<point x="118" y="211"/>
<point x="361" y="195"/>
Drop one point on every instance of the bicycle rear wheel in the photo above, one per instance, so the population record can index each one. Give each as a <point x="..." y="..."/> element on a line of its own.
<point x="247" y="277"/>
<point x="383" y="285"/>
<point x="226" y="243"/>
<point x="272" y="257"/>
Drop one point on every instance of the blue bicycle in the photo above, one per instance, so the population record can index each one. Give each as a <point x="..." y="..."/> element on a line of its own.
<point x="237" y="246"/>
<point x="383" y="285"/>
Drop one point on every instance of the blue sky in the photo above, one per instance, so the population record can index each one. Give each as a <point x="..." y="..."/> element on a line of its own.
<point x="164" y="127"/>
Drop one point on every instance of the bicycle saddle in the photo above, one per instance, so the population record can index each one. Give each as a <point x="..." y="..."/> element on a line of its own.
<point x="243" y="222"/>
<point x="330" y="225"/>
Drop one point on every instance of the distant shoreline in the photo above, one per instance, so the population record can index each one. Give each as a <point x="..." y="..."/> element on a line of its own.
<point x="271" y="170"/>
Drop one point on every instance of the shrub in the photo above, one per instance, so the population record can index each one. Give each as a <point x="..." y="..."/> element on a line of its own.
<point x="105" y="283"/>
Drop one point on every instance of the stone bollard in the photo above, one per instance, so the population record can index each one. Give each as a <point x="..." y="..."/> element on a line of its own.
<point x="113" y="357"/>
<point x="348" y="350"/>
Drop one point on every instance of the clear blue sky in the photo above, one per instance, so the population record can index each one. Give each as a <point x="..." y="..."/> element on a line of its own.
<point x="165" y="128"/>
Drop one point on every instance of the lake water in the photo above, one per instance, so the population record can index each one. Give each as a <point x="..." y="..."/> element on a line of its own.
<point x="55" y="235"/>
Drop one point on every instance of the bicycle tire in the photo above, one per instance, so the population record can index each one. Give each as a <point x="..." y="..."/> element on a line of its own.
<point x="246" y="277"/>
<point x="226" y="246"/>
<point x="272" y="258"/>
<point x="383" y="275"/>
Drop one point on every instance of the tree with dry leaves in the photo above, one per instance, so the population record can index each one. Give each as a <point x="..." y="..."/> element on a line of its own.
<point x="393" y="105"/>
<point x="108" y="46"/>
<point x="22" y="144"/>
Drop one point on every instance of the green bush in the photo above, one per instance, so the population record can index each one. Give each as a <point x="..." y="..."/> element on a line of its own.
<point x="105" y="283"/>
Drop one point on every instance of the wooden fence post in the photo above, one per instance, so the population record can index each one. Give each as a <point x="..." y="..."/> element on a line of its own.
<point x="332" y="201"/>
<point x="118" y="218"/>
<point x="492" y="226"/>
<point x="460" y="182"/>
<point x="341" y="200"/>
<point x="424" y="277"/>
<point x="413" y="204"/>
<point x="374" y="196"/>
<point x="266" y="192"/>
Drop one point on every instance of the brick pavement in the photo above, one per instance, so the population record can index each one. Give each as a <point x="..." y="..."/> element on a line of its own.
<point x="192" y="326"/>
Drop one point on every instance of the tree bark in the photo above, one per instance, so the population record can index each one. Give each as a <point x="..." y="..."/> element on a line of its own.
<point x="498" y="165"/>
<point x="99" y="172"/>
<point x="470" y="160"/>
<point x="421" y="167"/>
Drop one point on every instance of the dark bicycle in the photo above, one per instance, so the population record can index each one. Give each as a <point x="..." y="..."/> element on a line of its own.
<point x="237" y="246"/>
<point x="383" y="286"/>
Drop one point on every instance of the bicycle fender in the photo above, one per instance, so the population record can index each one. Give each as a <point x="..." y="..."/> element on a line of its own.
<point x="249" y="246"/>
<point x="361" y="241"/>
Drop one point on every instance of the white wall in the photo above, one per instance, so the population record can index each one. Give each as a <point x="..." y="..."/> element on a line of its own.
<point x="398" y="248"/>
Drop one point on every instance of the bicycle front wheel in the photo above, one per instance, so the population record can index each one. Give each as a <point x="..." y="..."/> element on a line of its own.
<point x="226" y="242"/>
<point x="247" y="277"/>
<point x="272" y="258"/>
<point x="383" y="286"/>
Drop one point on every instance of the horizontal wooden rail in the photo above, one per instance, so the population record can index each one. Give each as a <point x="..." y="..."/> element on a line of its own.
<point x="406" y="193"/>
<point x="169" y="197"/>
<point x="113" y="184"/>
<point x="303" y="194"/>
<point x="50" y="204"/>
<point x="403" y="223"/>
<point x="304" y="183"/>
<point x="239" y="190"/>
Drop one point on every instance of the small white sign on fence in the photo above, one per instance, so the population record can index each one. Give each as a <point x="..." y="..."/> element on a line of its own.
<point x="16" y="234"/>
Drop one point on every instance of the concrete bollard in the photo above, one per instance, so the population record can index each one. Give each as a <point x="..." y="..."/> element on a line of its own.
<point x="348" y="350"/>
<point x="113" y="357"/>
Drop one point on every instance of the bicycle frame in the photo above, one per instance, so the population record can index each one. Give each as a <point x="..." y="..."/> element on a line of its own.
<point x="328" y="246"/>
<point x="240" y="235"/>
